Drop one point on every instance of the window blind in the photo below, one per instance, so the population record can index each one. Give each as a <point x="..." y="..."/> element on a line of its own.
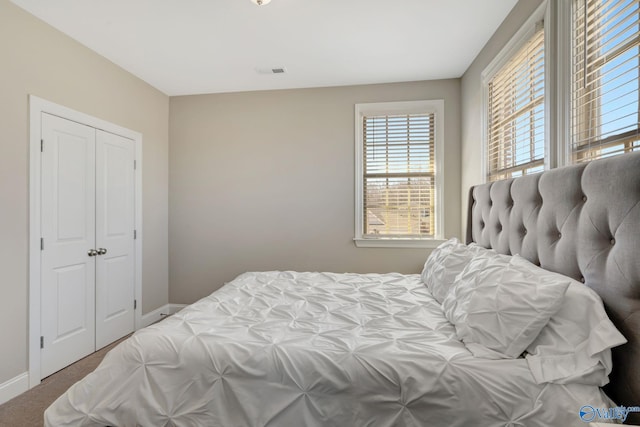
<point x="516" y="128"/>
<point x="399" y="175"/>
<point x="605" y="77"/>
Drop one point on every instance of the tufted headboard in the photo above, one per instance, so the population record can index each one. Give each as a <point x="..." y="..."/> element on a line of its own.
<point x="582" y="221"/>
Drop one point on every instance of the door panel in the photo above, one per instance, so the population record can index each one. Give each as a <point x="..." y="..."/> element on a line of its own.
<point x="72" y="196"/>
<point x="115" y="270"/>
<point x="68" y="232"/>
<point x="118" y="296"/>
<point x="71" y="292"/>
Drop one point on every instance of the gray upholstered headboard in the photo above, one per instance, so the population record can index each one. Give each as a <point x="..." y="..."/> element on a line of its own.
<point x="582" y="221"/>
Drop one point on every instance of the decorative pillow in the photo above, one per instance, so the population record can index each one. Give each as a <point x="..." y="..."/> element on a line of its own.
<point x="575" y="346"/>
<point x="445" y="263"/>
<point x="499" y="304"/>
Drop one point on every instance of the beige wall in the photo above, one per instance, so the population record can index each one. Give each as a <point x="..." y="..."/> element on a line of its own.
<point x="472" y="97"/>
<point x="265" y="181"/>
<point x="36" y="59"/>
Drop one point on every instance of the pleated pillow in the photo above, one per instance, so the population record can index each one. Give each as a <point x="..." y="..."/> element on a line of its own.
<point x="499" y="304"/>
<point x="443" y="266"/>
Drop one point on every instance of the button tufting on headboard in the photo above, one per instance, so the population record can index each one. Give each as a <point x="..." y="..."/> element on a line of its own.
<point x="582" y="221"/>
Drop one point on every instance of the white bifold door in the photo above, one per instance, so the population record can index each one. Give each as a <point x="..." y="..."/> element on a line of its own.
<point x="87" y="257"/>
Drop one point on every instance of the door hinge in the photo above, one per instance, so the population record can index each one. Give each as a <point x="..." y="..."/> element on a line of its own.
<point x="135" y="165"/>
<point x="41" y="145"/>
<point x="135" y="234"/>
<point x="135" y="304"/>
<point x="41" y="244"/>
<point x="41" y="342"/>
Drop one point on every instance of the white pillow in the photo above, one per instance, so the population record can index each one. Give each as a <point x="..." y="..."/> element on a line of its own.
<point x="445" y="263"/>
<point x="499" y="304"/>
<point x="575" y="346"/>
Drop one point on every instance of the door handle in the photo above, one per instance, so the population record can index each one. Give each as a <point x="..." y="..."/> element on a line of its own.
<point x="92" y="252"/>
<point x="101" y="251"/>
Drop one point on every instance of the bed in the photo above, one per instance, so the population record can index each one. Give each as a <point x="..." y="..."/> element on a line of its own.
<point x="324" y="349"/>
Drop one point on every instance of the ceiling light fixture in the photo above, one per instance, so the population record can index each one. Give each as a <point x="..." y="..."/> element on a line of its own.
<point x="261" y="2"/>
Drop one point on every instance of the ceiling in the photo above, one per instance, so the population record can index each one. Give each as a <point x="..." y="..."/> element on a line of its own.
<point x="186" y="47"/>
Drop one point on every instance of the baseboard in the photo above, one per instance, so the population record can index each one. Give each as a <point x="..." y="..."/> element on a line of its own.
<point x="14" y="387"/>
<point x="158" y="313"/>
<point x="174" y="308"/>
<point x="154" y="316"/>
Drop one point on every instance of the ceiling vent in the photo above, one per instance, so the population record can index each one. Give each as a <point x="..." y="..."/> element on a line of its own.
<point x="272" y="70"/>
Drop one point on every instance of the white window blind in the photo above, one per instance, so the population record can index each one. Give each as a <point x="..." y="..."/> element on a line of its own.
<point x="399" y="175"/>
<point x="516" y="122"/>
<point x="605" y="78"/>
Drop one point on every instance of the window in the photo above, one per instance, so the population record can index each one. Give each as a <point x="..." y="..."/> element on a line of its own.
<point x="398" y="145"/>
<point x="578" y="101"/>
<point x="515" y="137"/>
<point x="604" y="78"/>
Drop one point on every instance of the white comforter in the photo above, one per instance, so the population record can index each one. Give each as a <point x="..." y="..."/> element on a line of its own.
<point x="313" y="349"/>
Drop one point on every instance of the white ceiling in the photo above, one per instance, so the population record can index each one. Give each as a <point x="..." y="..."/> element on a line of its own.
<point x="206" y="46"/>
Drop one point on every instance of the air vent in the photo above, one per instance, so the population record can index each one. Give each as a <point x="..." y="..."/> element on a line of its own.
<point x="271" y="70"/>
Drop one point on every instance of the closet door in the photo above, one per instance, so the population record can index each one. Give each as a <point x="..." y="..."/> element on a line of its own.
<point x="68" y="232"/>
<point x="115" y="269"/>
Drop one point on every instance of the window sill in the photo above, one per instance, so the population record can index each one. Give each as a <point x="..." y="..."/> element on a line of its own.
<point x="398" y="243"/>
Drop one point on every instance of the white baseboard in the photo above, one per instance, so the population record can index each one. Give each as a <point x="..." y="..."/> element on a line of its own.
<point x="157" y="314"/>
<point x="14" y="387"/>
<point x="174" y="308"/>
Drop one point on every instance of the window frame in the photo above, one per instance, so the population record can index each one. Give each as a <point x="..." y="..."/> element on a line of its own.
<point x="435" y="106"/>
<point x="513" y="46"/>
<point x="566" y="71"/>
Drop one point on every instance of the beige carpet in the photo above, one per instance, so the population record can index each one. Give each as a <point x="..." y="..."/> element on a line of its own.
<point x="27" y="410"/>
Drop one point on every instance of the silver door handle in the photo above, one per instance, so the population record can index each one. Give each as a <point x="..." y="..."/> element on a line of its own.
<point x="92" y="252"/>
<point x="102" y="251"/>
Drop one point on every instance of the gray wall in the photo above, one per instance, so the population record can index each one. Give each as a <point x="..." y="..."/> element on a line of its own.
<point x="471" y="89"/>
<point x="265" y="181"/>
<point x="37" y="59"/>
